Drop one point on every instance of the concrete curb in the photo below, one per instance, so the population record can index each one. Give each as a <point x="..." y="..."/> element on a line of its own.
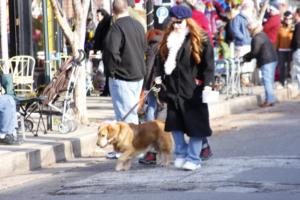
<point x="248" y="102"/>
<point x="45" y="150"/>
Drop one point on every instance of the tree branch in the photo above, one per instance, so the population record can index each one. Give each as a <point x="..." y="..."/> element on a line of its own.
<point x="86" y="6"/>
<point x="62" y="21"/>
<point x="77" y="9"/>
<point x="262" y="11"/>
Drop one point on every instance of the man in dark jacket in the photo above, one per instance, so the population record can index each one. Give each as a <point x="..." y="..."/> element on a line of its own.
<point x="123" y="58"/>
<point x="264" y="51"/>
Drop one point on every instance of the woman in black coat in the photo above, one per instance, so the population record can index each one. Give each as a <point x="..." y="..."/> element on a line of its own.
<point x="102" y="29"/>
<point x="188" y="68"/>
<point x="101" y="32"/>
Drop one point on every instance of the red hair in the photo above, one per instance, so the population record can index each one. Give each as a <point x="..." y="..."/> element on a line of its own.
<point x="152" y="33"/>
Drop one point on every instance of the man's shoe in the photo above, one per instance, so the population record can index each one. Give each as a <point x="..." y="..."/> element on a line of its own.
<point x="189" y="166"/>
<point x="11" y="139"/>
<point x="148" y="159"/>
<point x="266" y="104"/>
<point x="206" y="153"/>
<point x="179" y="162"/>
<point x="113" y="155"/>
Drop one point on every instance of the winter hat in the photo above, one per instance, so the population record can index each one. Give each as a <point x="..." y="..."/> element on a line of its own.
<point x="287" y="13"/>
<point x="180" y="12"/>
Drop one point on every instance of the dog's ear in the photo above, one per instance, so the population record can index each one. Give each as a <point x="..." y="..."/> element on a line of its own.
<point x="112" y="130"/>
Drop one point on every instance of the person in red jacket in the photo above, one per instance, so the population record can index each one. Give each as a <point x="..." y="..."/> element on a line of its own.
<point x="200" y="18"/>
<point x="272" y="25"/>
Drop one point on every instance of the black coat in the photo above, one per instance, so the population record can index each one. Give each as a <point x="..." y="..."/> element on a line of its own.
<point x="262" y="49"/>
<point x="185" y="111"/>
<point x="101" y="32"/>
<point x="295" y="44"/>
<point x="151" y="65"/>
<point x="124" y="51"/>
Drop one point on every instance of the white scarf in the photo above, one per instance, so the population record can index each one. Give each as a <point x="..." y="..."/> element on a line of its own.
<point x="174" y="42"/>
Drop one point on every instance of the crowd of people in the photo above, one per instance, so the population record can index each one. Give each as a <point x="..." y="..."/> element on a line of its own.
<point x="181" y="57"/>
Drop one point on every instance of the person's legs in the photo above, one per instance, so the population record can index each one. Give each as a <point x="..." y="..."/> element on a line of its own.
<point x="106" y="87"/>
<point x="150" y="156"/>
<point x="8" y="115"/>
<point x="268" y="73"/>
<point x="152" y="107"/>
<point x="8" y="120"/>
<point x="187" y="154"/>
<point x="194" y="147"/>
<point x="282" y="66"/>
<point x="180" y="144"/>
<point x="125" y="95"/>
<point x="206" y="152"/>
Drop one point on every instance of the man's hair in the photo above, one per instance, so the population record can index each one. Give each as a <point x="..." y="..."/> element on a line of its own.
<point x="120" y="6"/>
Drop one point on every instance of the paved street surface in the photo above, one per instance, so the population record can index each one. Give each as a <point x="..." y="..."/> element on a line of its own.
<point x="256" y="156"/>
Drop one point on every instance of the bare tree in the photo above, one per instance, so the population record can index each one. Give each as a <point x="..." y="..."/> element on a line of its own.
<point x="76" y="37"/>
<point x="4" y="33"/>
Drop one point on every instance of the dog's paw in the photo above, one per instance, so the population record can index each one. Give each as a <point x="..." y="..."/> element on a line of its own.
<point x="119" y="168"/>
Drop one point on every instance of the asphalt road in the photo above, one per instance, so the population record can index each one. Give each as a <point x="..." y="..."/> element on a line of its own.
<point x="256" y="156"/>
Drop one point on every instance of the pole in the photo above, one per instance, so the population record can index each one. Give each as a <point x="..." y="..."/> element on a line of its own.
<point x="150" y="10"/>
<point x="4" y="43"/>
<point x="46" y="52"/>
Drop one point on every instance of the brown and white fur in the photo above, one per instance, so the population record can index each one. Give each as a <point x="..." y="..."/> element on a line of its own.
<point x="132" y="140"/>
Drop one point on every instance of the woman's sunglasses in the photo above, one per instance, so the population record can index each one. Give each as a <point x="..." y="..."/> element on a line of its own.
<point x="177" y="22"/>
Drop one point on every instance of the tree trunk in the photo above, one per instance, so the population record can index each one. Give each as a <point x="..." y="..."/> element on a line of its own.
<point x="4" y="33"/>
<point x="80" y="88"/>
<point x="76" y="39"/>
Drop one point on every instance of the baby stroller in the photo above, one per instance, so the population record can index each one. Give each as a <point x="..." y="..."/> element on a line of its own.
<point x="58" y="94"/>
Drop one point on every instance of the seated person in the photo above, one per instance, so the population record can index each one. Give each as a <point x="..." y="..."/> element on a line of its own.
<point x="8" y="120"/>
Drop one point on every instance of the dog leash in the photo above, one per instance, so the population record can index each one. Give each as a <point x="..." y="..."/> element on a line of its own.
<point x="153" y="88"/>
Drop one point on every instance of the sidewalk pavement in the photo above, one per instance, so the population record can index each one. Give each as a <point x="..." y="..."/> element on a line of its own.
<point x="44" y="150"/>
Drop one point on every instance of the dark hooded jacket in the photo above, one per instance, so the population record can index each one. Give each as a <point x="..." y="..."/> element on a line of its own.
<point x="101" y="32"/>
<point x="151" y="65"/>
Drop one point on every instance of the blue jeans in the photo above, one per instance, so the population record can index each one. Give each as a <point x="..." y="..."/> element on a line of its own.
<point x="268" y="73"/>
<point x="152" y="107"/>
<point x="188" y="151"/>
<point x="8" y="115"/>
<point x="125" y="94"/>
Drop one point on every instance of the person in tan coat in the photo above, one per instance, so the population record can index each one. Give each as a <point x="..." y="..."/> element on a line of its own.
<point x="284" y="39"/>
